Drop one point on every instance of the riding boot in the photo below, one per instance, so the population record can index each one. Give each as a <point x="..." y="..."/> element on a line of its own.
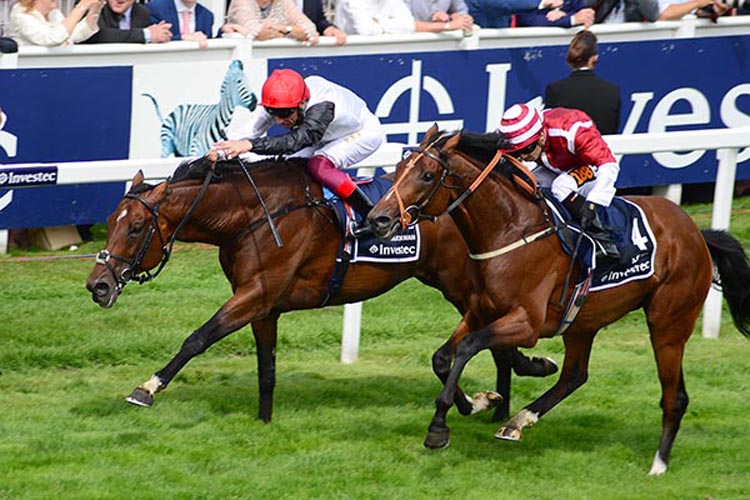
<point x="608" y="249"/>
<point x="362" y="205"/>
<point x="596" y="230"/>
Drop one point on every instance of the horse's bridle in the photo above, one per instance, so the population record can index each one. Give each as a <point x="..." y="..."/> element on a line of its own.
<point x="405" y="215"/>
<point x="126" y="275"/>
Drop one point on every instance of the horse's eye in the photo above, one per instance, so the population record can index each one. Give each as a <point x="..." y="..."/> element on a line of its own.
<point x="428" y="177"/>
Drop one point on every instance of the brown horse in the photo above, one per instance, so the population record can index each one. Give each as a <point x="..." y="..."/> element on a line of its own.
<point x="517" y="289"/>
<point x="216" y="204"/>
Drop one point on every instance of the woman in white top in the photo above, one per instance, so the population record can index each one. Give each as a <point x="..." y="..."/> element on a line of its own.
<point x="269" y="19"/>
<point x="41" y="22"/>
<point x="374" y="17"/>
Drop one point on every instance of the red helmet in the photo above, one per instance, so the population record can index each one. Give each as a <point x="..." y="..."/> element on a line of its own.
<point x="521" y="125"/>
<point x="285" y="88"/>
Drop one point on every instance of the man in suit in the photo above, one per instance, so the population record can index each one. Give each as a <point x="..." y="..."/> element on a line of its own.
<point x="314" y="10"/>
<point x="583" y="89"/>
<point x="124" y="21"/>
<point x="189" y="19"/>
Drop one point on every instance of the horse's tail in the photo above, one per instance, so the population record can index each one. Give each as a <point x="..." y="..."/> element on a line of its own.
<point x="156" y="106"/>
<point x="734" y="272"/>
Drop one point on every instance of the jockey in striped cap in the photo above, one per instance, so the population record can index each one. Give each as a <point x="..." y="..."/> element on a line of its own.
<point x="573" y="160"/>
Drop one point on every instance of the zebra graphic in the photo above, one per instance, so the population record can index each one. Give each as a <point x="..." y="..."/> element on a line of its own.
<point x="191" y="129"/>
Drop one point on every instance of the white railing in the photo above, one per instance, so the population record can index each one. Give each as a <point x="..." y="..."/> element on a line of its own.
<point x="726" y="142"/>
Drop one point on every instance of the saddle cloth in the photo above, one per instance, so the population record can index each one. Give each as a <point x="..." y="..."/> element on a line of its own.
<point x="630" y="231"/>
<point x="404" y="247"/>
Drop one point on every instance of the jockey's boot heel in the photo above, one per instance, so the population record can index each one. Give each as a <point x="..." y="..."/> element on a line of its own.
<point x="362" y="205"/>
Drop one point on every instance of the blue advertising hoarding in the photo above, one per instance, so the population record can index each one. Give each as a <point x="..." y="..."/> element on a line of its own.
<point x="665" y="86"/>
<point x="61" y="115"/>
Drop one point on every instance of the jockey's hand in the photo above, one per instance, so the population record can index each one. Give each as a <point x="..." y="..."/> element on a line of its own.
<point x="233" y="149"/>
<point x="588" y="214"/>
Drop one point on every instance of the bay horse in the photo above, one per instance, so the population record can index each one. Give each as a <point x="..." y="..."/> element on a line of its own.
<point x="215" y="204"/>
<point x="519" y="282"/>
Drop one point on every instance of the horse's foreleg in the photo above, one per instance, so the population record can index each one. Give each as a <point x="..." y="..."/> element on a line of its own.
<point x="574" y="374"/>
<point x="438" y="434"/>
<point x="441" y="366"/>
<point x="265" y="332"/>
<point x="232" y="316"/>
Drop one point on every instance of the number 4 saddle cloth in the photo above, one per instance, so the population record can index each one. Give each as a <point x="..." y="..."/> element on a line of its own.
<point x="628" y="228"/>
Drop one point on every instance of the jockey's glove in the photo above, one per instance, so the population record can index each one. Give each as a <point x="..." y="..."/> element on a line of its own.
<point x="588" y="214"/>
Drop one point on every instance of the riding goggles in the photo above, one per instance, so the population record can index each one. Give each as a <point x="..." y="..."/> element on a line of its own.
<point x="280" y="112"/>
<point x="525" y="150"/>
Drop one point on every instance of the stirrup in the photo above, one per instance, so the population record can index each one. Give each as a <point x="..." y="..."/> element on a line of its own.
<point x="360" y="230"/>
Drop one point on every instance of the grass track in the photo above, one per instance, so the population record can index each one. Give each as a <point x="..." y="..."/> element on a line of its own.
<point x="339" y="431"/>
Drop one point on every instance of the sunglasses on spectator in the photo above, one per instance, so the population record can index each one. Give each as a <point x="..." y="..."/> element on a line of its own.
<point x="281" y="112"/>
<point x="526" y="150"/>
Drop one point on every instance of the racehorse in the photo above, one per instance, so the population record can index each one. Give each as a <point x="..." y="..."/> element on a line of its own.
<point x="214" y="203"/>
<point x="523" y="273"/>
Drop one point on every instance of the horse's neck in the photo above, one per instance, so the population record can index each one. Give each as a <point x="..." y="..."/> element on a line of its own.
<point x="496" y="214"/>
<point x="227" y="207"/>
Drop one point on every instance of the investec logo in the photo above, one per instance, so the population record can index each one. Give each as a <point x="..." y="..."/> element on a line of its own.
<point x="28" y="176"/>
<point x="401" y="244"/>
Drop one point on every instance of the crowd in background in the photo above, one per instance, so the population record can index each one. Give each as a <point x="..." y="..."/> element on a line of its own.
<point x="45" y="23"/>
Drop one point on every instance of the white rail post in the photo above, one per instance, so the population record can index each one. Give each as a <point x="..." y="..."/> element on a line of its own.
<point x="722" y="212"/>
<point x="350" y="334"/>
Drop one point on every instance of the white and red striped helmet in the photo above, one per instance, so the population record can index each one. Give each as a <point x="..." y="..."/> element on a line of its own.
<point x="521" y="126"/>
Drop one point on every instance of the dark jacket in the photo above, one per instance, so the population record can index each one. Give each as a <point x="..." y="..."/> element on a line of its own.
<point x="539" y="17"/>
<point x="584" y="90"/>
<point x="313" y="9"/>
<point x="165" y="10"/>
<point x="308" y="133"/>
<point x="109" y="26"/>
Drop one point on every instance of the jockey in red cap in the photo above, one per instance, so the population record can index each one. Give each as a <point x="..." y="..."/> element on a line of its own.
<point x="327" y="123"/>
<point x="575" y="161"/>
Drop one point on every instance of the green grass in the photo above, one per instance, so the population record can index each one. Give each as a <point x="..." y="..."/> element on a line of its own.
<point x="339" y="431"/>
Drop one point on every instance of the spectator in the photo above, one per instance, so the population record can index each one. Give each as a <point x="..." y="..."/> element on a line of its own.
<point x="188" y="19"/>
<point x="571" y="13"/>
<point x="440" y="15"/>
<point x="124" y="21"/>
<point x="41" y="22"/>
<point x="269" y="19"/>
<point x="677" y="9"/>
<point x="313" y="9"/>
<point x="499" y="13"/>
<point x="625" y="11"/>
<point x="374" y="17"/>
<point x="583" y="89"/>
<point x="327" y="123"/>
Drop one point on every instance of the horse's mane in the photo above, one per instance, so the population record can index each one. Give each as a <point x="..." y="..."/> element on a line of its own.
<point x="199" y="167"/>
<point x="481" y="147"/>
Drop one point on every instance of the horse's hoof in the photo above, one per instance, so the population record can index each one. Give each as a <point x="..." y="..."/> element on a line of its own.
<point x="140" y="397"/>
<point x="437" y="440"/>
<point x="486" y="400"/>
<point x="536" y="367"/>
<point x="508" y="433"/>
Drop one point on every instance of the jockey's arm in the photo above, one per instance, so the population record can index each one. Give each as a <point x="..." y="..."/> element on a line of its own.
<point x="314" y="125"/>
<point x="592" y="150"/>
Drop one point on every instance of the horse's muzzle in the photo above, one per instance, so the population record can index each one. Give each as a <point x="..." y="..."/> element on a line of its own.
<point x="384" y="226"/>
<point x="102" y="292"/>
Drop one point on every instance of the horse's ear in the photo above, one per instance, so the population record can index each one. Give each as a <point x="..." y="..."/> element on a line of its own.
<point x="451" y="143"/>
<point x="160" y="191"/>
<point x="432" y="131"/>
<point x="138" y="179"/>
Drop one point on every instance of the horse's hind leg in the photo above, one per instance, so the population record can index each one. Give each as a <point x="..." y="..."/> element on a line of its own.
<point x="670" y="330"/>
<point x="266" y="332"/>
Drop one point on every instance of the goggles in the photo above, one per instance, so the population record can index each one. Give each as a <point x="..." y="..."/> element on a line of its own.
<point x="280" y="112"/>
<point x="525" y="150"/>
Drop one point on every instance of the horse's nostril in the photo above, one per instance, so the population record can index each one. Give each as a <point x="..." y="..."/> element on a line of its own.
<point x="100" y="288"/>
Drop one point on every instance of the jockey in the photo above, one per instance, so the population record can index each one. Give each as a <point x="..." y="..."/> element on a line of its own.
<point x="575" y="161"/>
<point x="327" y="123"/>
